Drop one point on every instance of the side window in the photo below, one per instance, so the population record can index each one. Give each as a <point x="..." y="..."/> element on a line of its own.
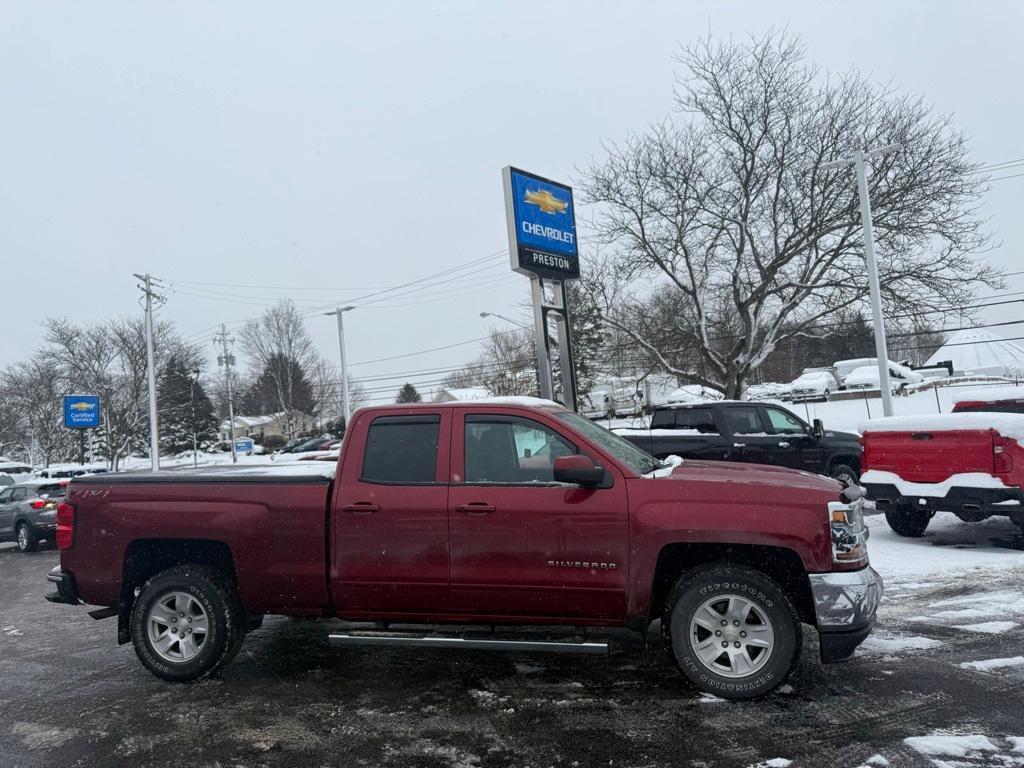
<point x="700" y="419"/>
<point x="511" y="451"/>
<point x="18" y="494"/>
<point x="785" y="423"/>
<point x="5" y="497"/>
<point x="743" y="420"/>
<point x="401" y="450"/>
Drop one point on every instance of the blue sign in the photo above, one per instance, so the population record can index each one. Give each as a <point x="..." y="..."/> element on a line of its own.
<point x="81" y="411"/>
<point x="243" y="444"/>
<point x="542" y="226"/>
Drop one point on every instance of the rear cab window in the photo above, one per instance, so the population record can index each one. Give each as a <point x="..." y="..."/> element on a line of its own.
<point x="694" y="419"/>
<point x="401" y="450"/>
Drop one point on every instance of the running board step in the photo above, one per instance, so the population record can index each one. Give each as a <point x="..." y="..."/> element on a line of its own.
<point x="405" y="640"/>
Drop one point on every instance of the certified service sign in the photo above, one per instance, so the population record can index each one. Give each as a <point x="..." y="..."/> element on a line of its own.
<point x="81" y="411"/>
<point x="541" y="226"/>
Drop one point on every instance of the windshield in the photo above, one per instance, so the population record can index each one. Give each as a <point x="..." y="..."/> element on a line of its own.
<point x="625" y="452"/>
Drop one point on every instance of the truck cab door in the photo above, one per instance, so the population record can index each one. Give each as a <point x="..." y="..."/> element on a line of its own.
<point x="389" y="517"/>
<point x="522" y="546"/>
<point x="750" y="441"/>
<point x="794" y="445"/>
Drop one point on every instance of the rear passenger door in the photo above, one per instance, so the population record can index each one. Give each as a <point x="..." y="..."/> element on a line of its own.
<point x="6" y="512"/>
<point x="389" y="537"/>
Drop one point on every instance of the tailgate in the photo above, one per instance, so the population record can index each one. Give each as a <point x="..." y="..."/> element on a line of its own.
<point x="929" y="457"/>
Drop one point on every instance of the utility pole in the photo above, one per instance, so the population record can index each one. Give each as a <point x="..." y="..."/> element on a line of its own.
<point x="192" y="401"/>
<point x="227" y="360"/>
<point x="346" y="407"/>
<point x="881" y="348"/>
<point x="154" y="427"/>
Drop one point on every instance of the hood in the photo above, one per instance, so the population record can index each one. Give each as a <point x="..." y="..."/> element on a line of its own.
<point x="842" y="437"/>
<point x="754" y="474"/>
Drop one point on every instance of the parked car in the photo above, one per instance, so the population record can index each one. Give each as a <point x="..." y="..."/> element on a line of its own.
<point x="628" y="401"/>
<point x="813" y="385"/>
<point x="970" y="463"/>
<point x="996" y="400"/>
<point x="769" y="390"/>
<point x="6" y="480"/>
<point x="313" y="444"/>
<point x="758" y="433"/>
<point x="507" y="512"/>
<point x="866" y="377"/>
<point x="15" y="469"/>
<point x="28" y="512"/>
<point x="692" y="393"/>
<point x="597" y="404"/>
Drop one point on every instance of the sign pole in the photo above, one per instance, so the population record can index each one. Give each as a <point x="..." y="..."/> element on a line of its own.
<point x="565" y="356"/>
<point x="540" y="340"/>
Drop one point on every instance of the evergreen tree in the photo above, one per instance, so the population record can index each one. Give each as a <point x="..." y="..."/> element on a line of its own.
<point x="267" y="394"/>
<point x="408" y="394"/>
<point x="185" y="409"/>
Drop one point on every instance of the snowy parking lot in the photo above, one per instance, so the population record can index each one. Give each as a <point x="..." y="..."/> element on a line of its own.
<point x="939" y="683"/>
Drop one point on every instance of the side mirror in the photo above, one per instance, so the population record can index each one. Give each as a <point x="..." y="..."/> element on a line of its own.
<point x="578" y="470"/>
<point x="817" y="429"/>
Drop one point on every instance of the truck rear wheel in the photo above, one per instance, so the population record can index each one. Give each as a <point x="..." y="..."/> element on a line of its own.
<point x="187" y="622"/>
<point x="733" y="631"/>
<point x="911" y="523"/>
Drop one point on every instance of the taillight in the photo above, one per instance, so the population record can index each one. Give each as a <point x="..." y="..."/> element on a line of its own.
<point x="38" y="504"/>
<point x="1002" y="461"/>
<point x="863" y="456"/>
<point x="65" y="525"/>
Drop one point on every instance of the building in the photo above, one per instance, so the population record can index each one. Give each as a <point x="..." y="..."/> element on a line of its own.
<point x="979" y="351"/>
<point x="456" y="394"/>
<point x="259" y="427"/>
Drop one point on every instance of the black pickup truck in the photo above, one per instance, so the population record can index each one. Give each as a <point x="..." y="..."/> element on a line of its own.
<point x="758" y="433"/>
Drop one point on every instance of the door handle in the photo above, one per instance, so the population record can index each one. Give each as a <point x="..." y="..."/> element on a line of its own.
<point x="476" y="508"/>
<point x="739" y="445"/>
<point x="783" y="444"/>
<point x="361" y="508"/>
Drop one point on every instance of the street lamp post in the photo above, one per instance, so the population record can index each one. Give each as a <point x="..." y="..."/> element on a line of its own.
<point x="506" y="319"/>
<point x="340" y="311"/>
<point x="192" y="400"/>
<point x="881" y="348"/>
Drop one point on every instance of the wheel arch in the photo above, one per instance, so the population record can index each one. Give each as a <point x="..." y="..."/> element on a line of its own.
<point x="850" y="459"/>
<point x="145" y="558"/>
<point x="783" y="565"/>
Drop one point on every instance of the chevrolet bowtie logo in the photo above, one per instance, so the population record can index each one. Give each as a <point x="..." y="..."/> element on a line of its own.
<point x="82" y="406"/>
<point x="546" y="201"/>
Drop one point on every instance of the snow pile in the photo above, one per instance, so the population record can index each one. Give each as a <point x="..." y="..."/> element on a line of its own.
<point x="1007" y="424"/>
<point x="941" y="744"/>
<point x="981" y="351"/>
<point x="880" y="643"/>
<point x="931" y="490"/>
<point x="990" y="664"/>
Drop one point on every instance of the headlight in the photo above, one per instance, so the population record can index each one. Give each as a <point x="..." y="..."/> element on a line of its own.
<point x="849" y="534"/>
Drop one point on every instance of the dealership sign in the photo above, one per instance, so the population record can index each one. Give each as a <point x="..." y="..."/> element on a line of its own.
<point x="81" y="411"/>
<point x="541" y="226"/>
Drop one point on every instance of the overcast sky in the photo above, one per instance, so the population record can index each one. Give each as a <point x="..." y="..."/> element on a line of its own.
<point x="325" y="151"/>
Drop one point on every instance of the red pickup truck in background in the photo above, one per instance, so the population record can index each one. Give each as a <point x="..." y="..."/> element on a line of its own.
<point x="513" y="514"/>
<point x="969" y="462"/>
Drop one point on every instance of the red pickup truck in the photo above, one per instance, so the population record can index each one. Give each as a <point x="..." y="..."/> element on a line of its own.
<point x="970" y="463"/>
<point x="513" y="513"/>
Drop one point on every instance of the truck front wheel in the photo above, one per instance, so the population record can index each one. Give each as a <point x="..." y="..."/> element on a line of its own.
<point x="911" y="523"/>
<point x="733" y="631"/>
<point x="186" y="623"/>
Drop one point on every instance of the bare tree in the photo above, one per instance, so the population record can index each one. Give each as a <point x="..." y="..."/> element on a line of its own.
<point x="280" y="348"/>
<point x="32" y="397"/>
<point x="505" y="367"/>
<point x="730" y="206"/>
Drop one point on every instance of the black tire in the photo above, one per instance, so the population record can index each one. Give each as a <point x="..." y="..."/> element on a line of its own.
<point x="843" y="471"/>
<point x="217" y="596"/>
<point x="27" y="539"/>
<point x="697" y="588"/>
<point x="910" y="523"/>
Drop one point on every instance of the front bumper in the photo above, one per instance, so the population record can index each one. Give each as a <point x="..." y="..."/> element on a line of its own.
<point x="67" y="590"/>
<point x="845" y="603"/>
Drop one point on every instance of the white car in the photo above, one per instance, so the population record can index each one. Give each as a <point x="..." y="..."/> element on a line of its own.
<point x="813" y="385"/>
<point x="692" y="393"/>
<point x="628" y="401"/>
<point x="596" y="404"/>
<point x="866" y="377"/>
<point x="769" y="390"/>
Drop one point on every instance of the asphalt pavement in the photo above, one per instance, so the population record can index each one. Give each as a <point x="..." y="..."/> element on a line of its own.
<point x="70" y="696"/>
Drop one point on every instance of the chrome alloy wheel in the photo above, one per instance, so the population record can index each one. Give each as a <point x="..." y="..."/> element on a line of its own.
<point x="177" y="625"/>
<point x="23" y="539"/>
<point x="731" y="636"/>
